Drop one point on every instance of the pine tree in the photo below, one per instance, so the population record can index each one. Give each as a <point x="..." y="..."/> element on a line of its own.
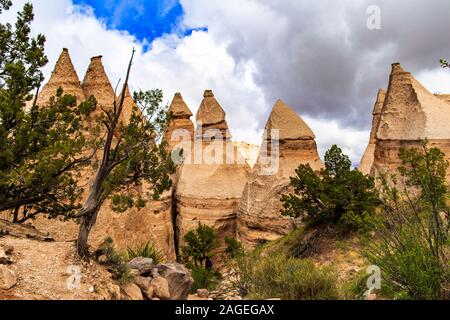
<point x="40" y="146"/>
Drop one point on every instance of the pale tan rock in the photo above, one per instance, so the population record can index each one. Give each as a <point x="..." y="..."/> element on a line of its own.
<point x="249" y="151"/>
<point x="181" y="127"/>
<point x="367" y="161"/>
<point x="7" y="278"/>
<point x="179" y="279"/>
<point x="133" y="292"/>
<point x="65" y="77"/>
<point x="260" y="207"/>
<point x="208" y="191"/>
<point x="161" y="288"/>
<point x="410" y="113"/>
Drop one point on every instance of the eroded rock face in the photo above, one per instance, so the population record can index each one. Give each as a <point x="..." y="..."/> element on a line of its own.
<point x="410" y="113"/>
<point x="63" y="76"/>
<point x="260" y="216"/>
<point x="210" y="186"/>
<point x="367" y="161"/>
<point x="133" y="227"/>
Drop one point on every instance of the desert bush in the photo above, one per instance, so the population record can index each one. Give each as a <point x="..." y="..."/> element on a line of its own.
<point x="276" y="276"/>
<point x="412" y="249"/>
<point x="204" y="278"/>
<point x="115" y="261"/>
<point x="336" y="195"/>
<point x="200" y="245"/>
<point x="234" y="248"/>
<point x="147" y="250"/>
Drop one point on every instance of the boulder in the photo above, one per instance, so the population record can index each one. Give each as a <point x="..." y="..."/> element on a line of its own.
<point x="161" y="288"/>
<point x="143" y="282"/>
<point x="4" y="259"/>
<point x="287" y="143"/>
<point x="179" y="279"/>
<point x="143" y="265"/>
<point x="132" y="292"/>
<point x="7" y="278"/>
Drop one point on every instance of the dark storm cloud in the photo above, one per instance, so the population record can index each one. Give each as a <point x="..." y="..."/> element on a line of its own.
<point x="320" y="56"/>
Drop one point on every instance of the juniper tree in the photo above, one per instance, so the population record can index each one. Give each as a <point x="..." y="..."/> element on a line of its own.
<point x="40" y="146"/>
<point x="337" y="194"/>
<point x="445" y="63"/>
<point x="131" y="154"/>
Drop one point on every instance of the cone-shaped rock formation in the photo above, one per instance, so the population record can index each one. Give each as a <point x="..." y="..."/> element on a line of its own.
<point x="288" y="142"/>
<point x="410" y="113"/>
<point x="210" y="187"/>
<point x="63" y="76"/>
<point x="181" y="127"/>
<point x="97" y="84"/>
<point x="367" y="161"/>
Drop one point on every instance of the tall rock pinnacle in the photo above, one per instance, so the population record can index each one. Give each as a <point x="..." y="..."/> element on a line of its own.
<point x="410" y="113"/>
<point x="259" y="217"/>
<point x="97" y="84"/>
<point x="63" y="76"/>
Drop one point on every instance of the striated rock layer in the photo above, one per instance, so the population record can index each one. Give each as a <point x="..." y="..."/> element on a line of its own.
<point x="410" y="113"/>
<point x="210" y="186"/>
<point x="260" y="208"/>
<point x="367" y="160"/>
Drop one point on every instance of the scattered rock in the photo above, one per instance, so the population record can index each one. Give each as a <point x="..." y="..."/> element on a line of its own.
<point x="9" y="249"/>
<point x="143" y="283"/>
<point x="4" y="259"/>
<point x="203" y="293"/>
<point x="133" y="292"/>
<point x="144" y="265"/>
<point x="149" y="293"/>
<point x="179" y="279"/>
<point x="161" y="287"/>
<point x="7" y="278"/>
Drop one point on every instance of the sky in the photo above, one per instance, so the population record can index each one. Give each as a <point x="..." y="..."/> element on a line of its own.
<point x="319" y="56"/>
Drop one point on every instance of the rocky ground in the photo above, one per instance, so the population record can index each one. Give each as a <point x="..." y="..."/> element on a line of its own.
<point x="51" y="271"/>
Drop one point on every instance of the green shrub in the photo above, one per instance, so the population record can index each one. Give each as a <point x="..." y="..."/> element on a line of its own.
<point x="147" y="250"/>
<point x="234" y="248"/>
<point x="412" y="246"/>
<point x="204" y="279"/>
<point x="276" y="276"/>
<point x="336" y="195"/>
<point x="200" y="245"/>
<point x="115" y="261"/>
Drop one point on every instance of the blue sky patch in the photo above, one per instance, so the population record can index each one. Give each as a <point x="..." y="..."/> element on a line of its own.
<point x="145" y="19"/>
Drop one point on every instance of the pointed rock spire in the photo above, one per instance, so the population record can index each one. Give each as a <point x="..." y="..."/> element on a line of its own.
<point x="180" y="121"/>
<point x="210" y="111"/>
<point x="63" y="76"/>
<point x="211" y="116"/>
<point x="97" y="84"/>
<point x="178" y="108"/>
<point x="411" y="112"/>
<point x="290" y="125"/>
